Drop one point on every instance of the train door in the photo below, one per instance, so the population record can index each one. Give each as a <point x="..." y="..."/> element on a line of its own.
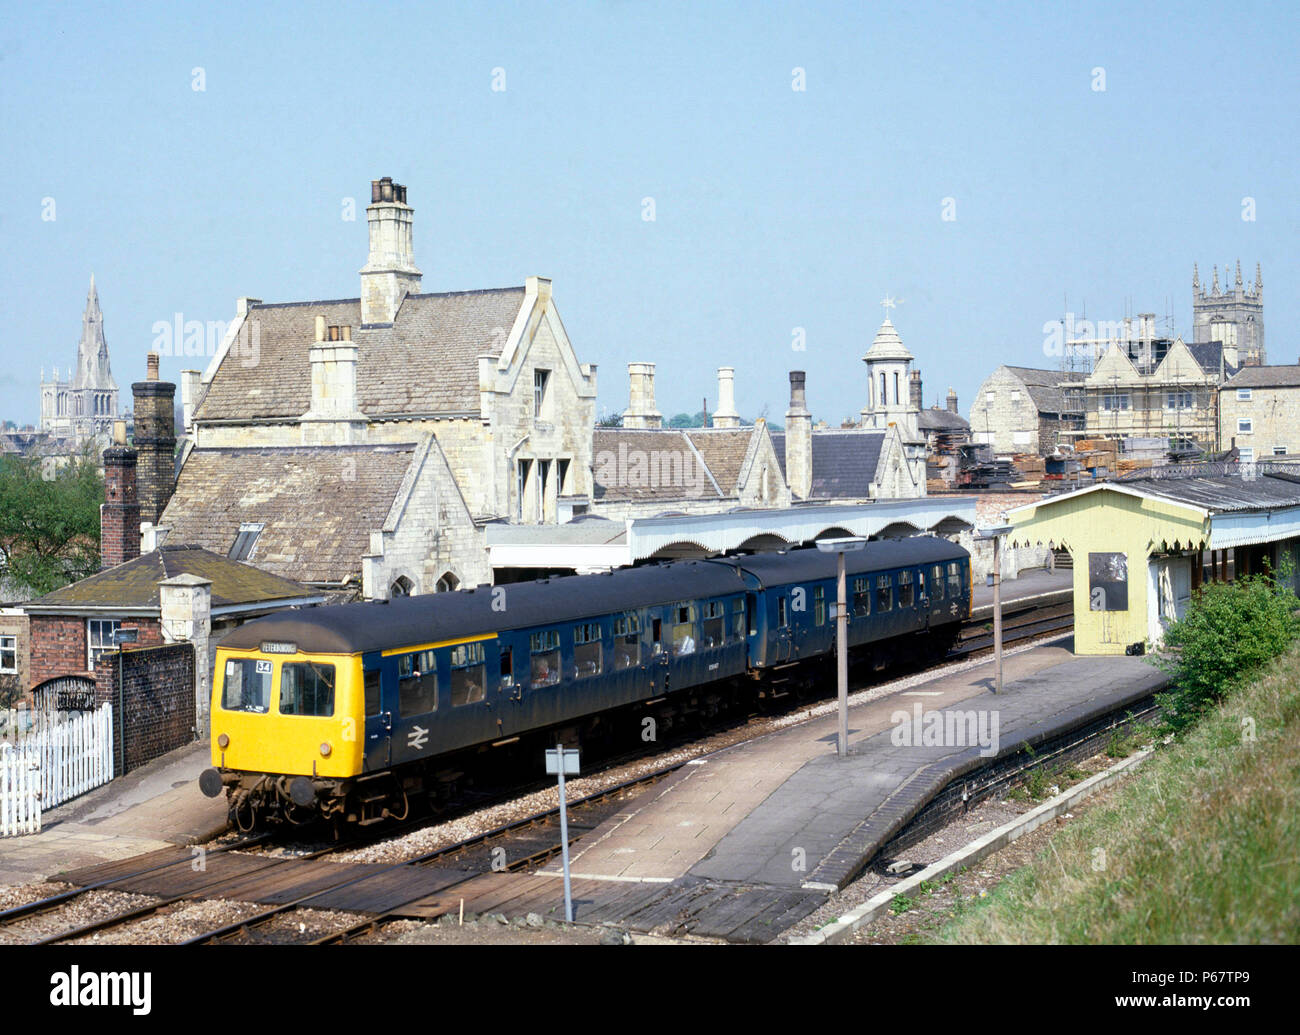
<point x="753" y="640"/>
<point x="782" y="647"/>
<point x="510" y="691"/>
<point x="660" y="654"/>
<point x="378" y="750"/>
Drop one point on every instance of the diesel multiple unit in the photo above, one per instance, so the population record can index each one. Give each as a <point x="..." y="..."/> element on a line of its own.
<point x="351" y="711"/>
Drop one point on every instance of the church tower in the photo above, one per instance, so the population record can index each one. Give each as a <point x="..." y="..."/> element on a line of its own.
<point x="85" y="405"/>
<point x="1234" y="316"/>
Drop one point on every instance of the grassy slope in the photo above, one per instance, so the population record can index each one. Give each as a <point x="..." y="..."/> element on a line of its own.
<point x="1202" y="845"/>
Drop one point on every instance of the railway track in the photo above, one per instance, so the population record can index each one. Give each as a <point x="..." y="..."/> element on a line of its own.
<point x="533" y="840"/>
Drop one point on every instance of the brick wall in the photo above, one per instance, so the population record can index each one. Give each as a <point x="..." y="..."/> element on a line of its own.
<point x="58" y="643"/>
<point x="157" y="693"/>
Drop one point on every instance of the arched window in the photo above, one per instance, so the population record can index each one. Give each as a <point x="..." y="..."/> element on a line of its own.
<point x="447" y="583"/>
<point x="884" y="394"/>
<point x="895" y="387"/>
<point x="401" y="587"/>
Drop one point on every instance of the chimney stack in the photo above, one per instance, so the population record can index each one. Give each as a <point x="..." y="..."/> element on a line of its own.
<point x="641" y="412"/>
<point x="333" y="362"/>
<point x="155" y="442"/>
<point x="798" y="439"/>
<point x="952" y="400"/>
<point x="915" y="399"/>
<point x="390" y="273"/>
<point x="151" y="367"/>
<point x="119" y="515"/>
<point x="726" y="415"/>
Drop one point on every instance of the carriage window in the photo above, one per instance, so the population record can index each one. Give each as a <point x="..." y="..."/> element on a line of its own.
<point x="468" y="674"/>
<point x="507" y="667"/>
<point x="781" y="620"/>
<point x="247" y="686"/>
<point x="711" y="629"/>
<point x="861" y="598"/>
<point x="954" y="579"/>
<point x="586" y="649"/>
<point x="905" y="592"/>
<point x="372" y="692"/>
<point x="738" y="618"/>
<point x="306" y="688"/>
<point x="819" y="605"/>
<point x="884" y="593"/>
<point x="417" y="683"/>
<point x="936" y="580"/>
<point x="627" y="642"/>
<point x="684" y="629"/>
<point x="544" y="648"/>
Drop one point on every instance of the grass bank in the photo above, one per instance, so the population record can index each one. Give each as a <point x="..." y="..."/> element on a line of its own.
<point x="1202" y="845"/>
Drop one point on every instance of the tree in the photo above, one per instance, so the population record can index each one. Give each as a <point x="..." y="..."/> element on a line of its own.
<point x="49" y="520"/>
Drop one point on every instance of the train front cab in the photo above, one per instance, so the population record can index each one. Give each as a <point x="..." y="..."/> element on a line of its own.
<point x="294" y="714"/>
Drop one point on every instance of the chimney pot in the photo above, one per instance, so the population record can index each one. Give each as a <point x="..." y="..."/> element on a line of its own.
<point x="320" y="328"/>
<point x="151" y="367"/>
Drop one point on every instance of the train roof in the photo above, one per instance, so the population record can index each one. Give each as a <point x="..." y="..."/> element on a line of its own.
<point x="438" y="617"/>
<point x="880" y="554"/>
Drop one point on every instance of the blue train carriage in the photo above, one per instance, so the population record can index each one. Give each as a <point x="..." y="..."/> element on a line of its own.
<point x="911" y="593"/>
<point x="398" y="685"/>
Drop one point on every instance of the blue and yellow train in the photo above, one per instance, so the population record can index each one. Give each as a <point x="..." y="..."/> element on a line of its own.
<point x="351" y="711"/>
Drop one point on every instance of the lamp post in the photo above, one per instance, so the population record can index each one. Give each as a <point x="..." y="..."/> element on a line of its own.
<point x="840" y="547"/>
<point x="996" y="532"/>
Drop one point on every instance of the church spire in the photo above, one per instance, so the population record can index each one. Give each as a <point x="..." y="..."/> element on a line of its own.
<point x="1259" y="280"/>
<point x="92" y="351"/>
<point x="1196" y="279"/>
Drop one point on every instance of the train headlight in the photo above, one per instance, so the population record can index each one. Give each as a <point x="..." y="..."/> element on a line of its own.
<point x="223" y="742"/>
<point x="325" y="750"/>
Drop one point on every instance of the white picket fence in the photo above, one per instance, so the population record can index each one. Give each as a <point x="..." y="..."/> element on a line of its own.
<point x="51" y="764"/>
<point x="20" y="791"/>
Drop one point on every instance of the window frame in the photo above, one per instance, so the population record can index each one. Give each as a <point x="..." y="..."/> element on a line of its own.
<point x="93" y="650"/>
<point x="10" y="648"/>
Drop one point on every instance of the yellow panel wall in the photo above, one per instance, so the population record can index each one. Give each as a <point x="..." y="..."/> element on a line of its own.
<point x="1109" y="522"/>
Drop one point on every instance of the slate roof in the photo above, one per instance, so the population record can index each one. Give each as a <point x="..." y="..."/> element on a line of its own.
<point x="941" y="419"/>
<point x="318" y="503"/>
<point x="1044" y="387"/>
<point x="724" y="451"/>
<point x="844" y="462"/>
<point x="134" y="584"/>
<point x="1207" y="354"/>
<point x="425" y="362"/>
<point x="1265" y="377"/>
<point x="644" y="465"/>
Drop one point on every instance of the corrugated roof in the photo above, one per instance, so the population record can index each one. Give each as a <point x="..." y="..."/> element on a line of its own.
<point x="134" y="584"/>
<point x="318" y="504"/>
<point x="425" y="362"/>
<point x="1221" y="495"/>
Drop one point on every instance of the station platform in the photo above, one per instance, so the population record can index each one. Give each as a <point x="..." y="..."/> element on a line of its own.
<point x="152" y="807"/>
<point x="785" y="813"/>
<point x="1035" y="585"/>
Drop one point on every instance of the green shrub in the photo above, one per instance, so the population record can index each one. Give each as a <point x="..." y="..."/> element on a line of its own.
<point x="1229" y="630"/>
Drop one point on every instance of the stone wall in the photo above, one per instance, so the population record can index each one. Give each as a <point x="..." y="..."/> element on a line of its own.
<point x="14" y="623"/>
<point x="1274" y="414"/>
<point x="157" y="701"/>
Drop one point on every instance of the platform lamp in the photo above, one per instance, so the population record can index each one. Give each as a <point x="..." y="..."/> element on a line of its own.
<point x="840" y="547"/>
<point x="995" y="533"/>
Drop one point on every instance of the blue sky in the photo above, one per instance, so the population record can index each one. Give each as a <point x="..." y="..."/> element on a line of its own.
<point x="775" y="209"/>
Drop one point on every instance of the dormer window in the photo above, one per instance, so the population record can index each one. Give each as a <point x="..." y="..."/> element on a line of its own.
<point x="245" y="541"/>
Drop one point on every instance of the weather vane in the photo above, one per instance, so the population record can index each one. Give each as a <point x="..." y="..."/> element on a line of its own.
<point x="890" y="303"/>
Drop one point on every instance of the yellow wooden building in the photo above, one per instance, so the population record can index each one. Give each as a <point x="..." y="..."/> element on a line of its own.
<point x="1140" y="548"/>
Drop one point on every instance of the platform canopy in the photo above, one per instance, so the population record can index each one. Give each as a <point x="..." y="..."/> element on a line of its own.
<point x="597" y="544"/>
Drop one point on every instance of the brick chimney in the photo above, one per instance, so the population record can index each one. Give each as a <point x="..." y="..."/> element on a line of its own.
<point x="726" y="415"/>
<point x="915" y="398"/>
<point x="155" y="441"/>
<point x="798" y="439"/>
<point x="119" y="514"/>
<point x="390" y="273"/>
<point x="641" y="412"/>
